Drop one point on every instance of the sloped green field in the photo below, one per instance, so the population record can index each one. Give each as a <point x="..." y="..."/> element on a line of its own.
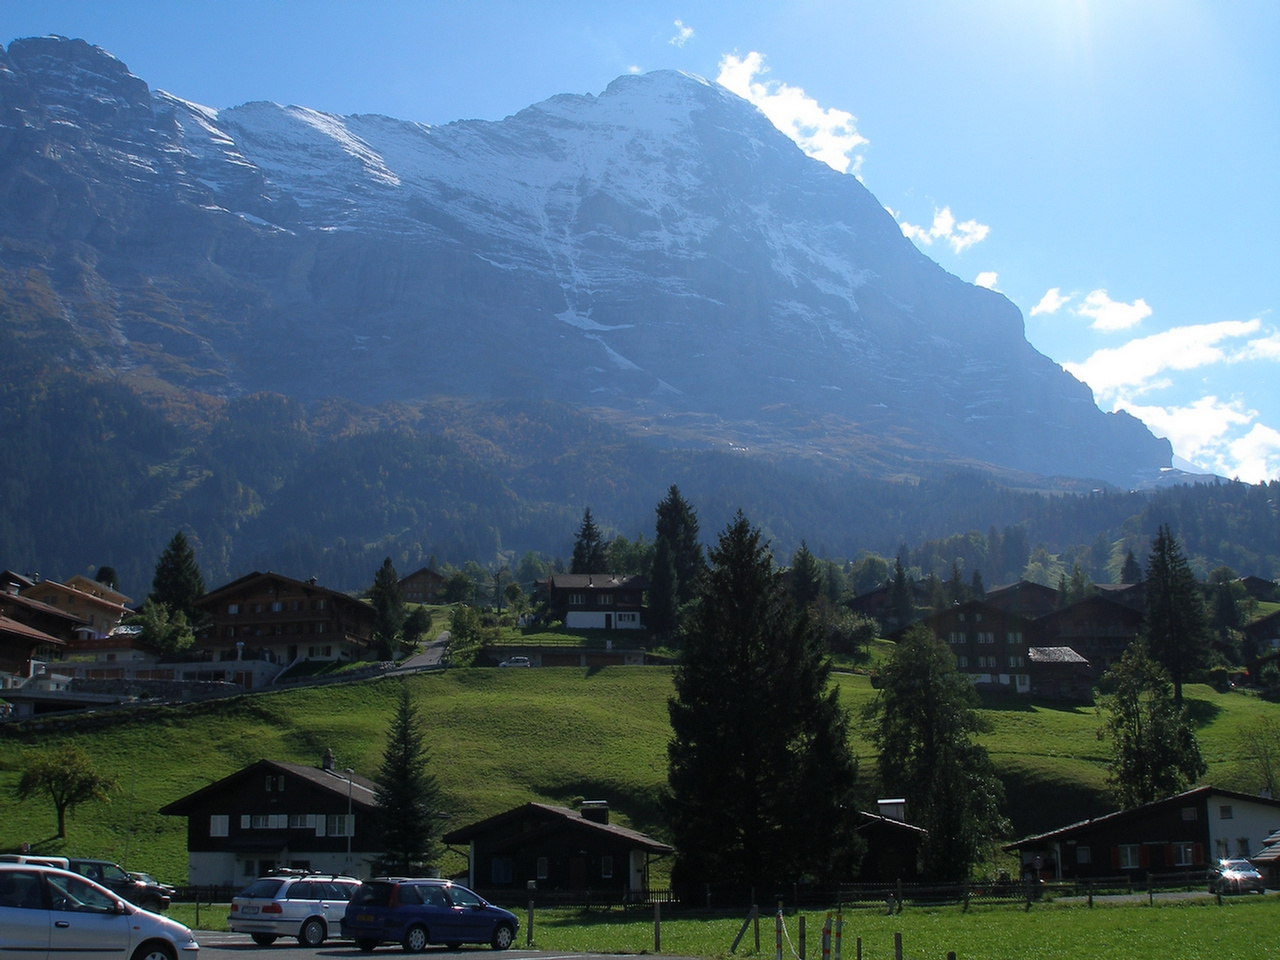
<point x="498" y="738"/>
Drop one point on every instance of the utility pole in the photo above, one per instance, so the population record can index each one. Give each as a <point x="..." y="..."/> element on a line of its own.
<point x="350" y="826"/>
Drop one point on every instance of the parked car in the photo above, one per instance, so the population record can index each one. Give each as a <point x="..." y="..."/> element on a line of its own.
<point x="516" y="662"/>
<point x="415" y="913"/>
<point x="50" y="912"/>
<point x="149" y="880"/>
<point x="149" y="896"/>
<point x="1235" y="876"/>
<point x="308" y="906"/>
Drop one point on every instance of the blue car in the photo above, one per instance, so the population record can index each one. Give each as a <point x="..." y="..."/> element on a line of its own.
<point x="415" y="913"/>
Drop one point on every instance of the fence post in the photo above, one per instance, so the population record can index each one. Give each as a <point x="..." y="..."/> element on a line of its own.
<point x="897" y="946"/>
<point x="755" y="922"/>
<point x="859" y="948"/>
<point x="839" y="932"/>
<point x="742" y="932"/>
<point x="1088" y="886"/>
<point x="198" y="907"/>
<point x="528" y="930"/>
<point x="826" y="938"/>
<point x="777" y="933"/>
<point x="802" y="944"/>
<point x="657" y="926"/>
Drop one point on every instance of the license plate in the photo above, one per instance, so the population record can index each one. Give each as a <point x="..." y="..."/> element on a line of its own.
<point x="248" y="910"/>
<point x="365" y="917"/>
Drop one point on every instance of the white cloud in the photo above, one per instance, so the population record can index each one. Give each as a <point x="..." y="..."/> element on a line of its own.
<point x="1267" y="348"/>
<point x="826" y="134"/>
<point x="683" y="35"/>
<point x="961" y="236"/>
<point x="1051" y="302"/>
<point x="987" y="278"/>
<point x="1111" y="315"/>
<point x="1140" y="365"/>
<point x="1207" y="434"/>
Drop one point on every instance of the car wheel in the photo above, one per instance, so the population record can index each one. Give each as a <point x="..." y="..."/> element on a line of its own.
<point x="264" y="939"/>
<point x="312" y="933"/>
<point x="502" y="936"/>
<point x="415" y="939"/>
<point x="366" y="946"/>
<point x="155" y="950"/>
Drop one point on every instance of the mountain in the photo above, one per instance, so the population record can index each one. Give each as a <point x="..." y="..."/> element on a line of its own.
<point x="659" y="255"/>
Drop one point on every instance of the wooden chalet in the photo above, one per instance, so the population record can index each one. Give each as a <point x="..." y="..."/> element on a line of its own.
<point x="597" y="601"/>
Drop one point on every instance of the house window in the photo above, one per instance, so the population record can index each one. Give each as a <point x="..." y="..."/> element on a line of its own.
<point x="543" y="868"/>
<point x="962" y="662"/>
<point x="1224" y="812"/>
<point x="626" y="618"/>
<point x="318" y="604"/>
<point x="271" y="779"/>
<point x="276" y="606"/>
<point x="577" y="599"/>
<point x="1014" y="636"/>
<point x="233" y="608"/>
<point x="977" y="618"/>
<point x="219" y="823"/>
<point x="500" y="870"/>
<point x="1242" y="846"/>
<point x="257" y="608"/>
<point x="606" y="868"/>
<point x="1129" y="859"/>
<point x="1221" y="847"/>
<point x="960" y="617"/>
<point x="1188" y="813"/>
<point x="1084" y="854"/>
<point x="340" y="825"/>
<point x="1015" y="661"/>
<point x="250" y="869"/>
<point x="1182" y="854"/>
<point x="604" y="599"/>
<point x="319" y="628"/>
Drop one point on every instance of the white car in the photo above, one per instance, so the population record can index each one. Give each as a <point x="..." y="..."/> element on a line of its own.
<point x="52" y="914"/>
<point x="307" y="907"/>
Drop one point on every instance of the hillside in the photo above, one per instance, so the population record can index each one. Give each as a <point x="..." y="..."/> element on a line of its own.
<point x="502" y="737"/>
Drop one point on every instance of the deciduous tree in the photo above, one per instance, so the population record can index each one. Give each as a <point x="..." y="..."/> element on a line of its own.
<point x="162" y="632"/>
<point x="408" y="795"/>
<point x="68" y="777"/>
<point x="923" y="724"/>
<point x="760" y="779"/>
<point x="1154" y="753"/>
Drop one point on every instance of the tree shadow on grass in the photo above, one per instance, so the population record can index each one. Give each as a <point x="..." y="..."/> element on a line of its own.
<point x="1201" y="712"/>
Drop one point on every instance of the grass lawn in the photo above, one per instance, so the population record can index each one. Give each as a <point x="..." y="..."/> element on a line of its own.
<point x="499" y="738"/>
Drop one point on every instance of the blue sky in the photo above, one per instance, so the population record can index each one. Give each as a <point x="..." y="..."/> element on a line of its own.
<point x="1109" y="165"/>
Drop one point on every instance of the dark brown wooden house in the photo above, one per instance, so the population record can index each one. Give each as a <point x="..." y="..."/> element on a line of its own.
<point x="559" y="848"/>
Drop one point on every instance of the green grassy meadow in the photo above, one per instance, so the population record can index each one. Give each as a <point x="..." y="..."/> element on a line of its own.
<point x="499" y="738"/>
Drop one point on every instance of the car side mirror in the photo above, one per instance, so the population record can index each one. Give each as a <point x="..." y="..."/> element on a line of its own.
<point x="122" y="908"/>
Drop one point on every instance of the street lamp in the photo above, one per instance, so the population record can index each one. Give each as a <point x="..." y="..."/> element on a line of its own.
<point x="349" y="772"/>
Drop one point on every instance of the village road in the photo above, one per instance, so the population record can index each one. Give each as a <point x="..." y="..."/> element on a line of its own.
<point x="238" y="946"/>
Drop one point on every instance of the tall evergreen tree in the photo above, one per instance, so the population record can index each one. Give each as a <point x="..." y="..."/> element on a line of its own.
<point x="1175" y="625"/>
<point x="662" y="616"/>
<point x="1130" y="570"/>
<point x="760" y="778"/>
<point x="387" y="599"/>
<point x="902" y="608"/>
<point x="924" y="721"/>
<point x="106" y="576"/>
<point x="677" y="523"/>
<point x="1154" y="749"/>
<point x="588" y="548"/>
<point x="177" y="583"/>
<point x="408" y="796"/>
<point x="805" y="576"/>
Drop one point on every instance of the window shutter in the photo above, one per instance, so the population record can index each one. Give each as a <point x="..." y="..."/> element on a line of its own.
<point x="1197" y="854"/>
<point x="1144" y="856"/>
<point x="1115" y="857"/>
<point x="320" y="825"/>
<point x="244" y="821"/>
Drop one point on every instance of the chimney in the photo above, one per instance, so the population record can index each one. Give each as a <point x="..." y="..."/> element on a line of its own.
<point x="597" y="811"/>
<point x="895" y="809"/>
<point x="326" y="762"/>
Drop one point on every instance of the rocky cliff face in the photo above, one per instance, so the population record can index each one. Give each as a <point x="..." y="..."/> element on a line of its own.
<point x="659" y="250"/>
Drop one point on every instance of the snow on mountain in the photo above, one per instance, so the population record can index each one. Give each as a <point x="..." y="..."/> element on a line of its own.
<point x="658" y="249"/>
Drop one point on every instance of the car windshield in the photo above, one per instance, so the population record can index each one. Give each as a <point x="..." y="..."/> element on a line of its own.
<point x="263" y="889"/>
<point x="462" y="897"/>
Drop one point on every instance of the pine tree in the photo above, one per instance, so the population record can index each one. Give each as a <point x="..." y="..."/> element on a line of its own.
<point x="677" y="523"/>
<point x="1175" y="625"/>
<point x="106" y="576"/>
<point x="805" y="576"/>
<point x="760" y="778"/>
<point x="925" y="719"/>
<point x="177" y="583"/>
<point x="901" y="603"/>
<point x="387" y="599"/>
<point x="1130" y="571"/>
<point x="408" y="796"/>
<point x="588" y="548"/>
<point x="1154" y="749"/>
<point x="662" y="617"/>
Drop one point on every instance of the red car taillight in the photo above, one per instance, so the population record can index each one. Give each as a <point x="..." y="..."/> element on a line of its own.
<point x="394" y="900"/>
<point x="273" y="908"/>
<point x="235" y="907"/>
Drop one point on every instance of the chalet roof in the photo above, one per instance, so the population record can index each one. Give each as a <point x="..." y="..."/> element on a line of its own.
<point x="597" y="581"/>
<point x="85" y="585"/>
<point x="564" y="816"/>
<point x="1055" y="655"/>
<point x="20" y="631"/>
<point x="39" y="606"/>
<point x="423" y="572"/>
<point x="362" y="791"/>
<point x="1113" y="604"/>
<point x="977" y="606"/>
<point x="1138" y="813"/>
<point x="308" y="586"/>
